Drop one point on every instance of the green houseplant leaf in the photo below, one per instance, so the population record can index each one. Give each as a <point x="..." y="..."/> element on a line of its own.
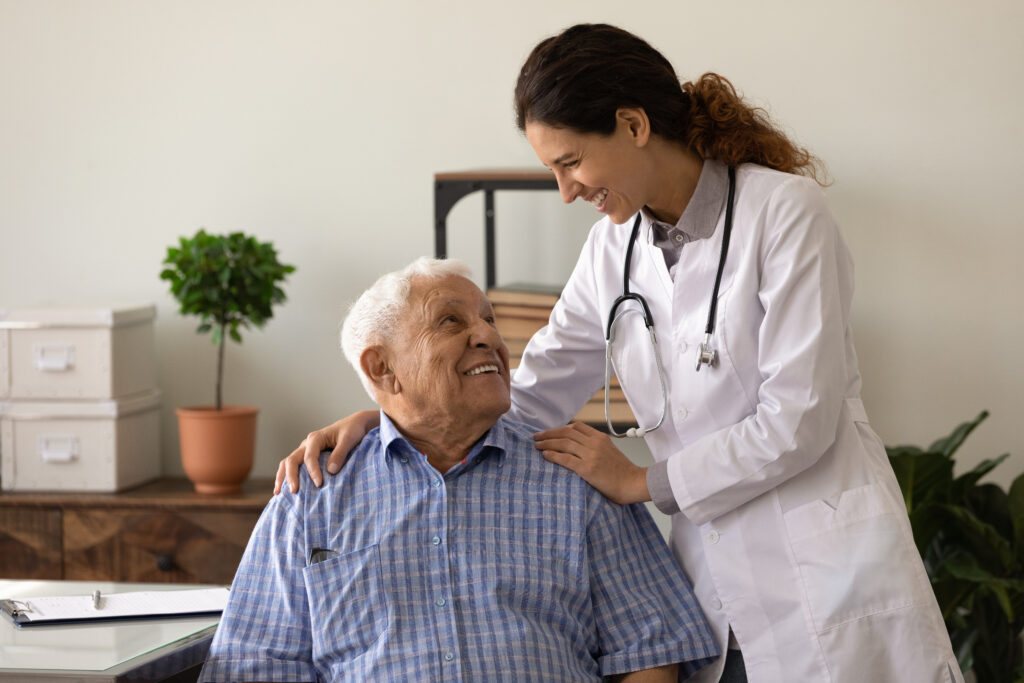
<point x="229" y="282"/>
<point x="971" y="537"/>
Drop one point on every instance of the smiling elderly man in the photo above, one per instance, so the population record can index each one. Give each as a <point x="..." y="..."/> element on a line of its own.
<point x="448" y="548"/>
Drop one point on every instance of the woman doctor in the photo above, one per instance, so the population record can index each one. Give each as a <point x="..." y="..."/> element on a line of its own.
<point x="785" y="513"/>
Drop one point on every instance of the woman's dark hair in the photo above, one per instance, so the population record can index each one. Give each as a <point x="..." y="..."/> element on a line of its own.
<point x="581" y="77"/>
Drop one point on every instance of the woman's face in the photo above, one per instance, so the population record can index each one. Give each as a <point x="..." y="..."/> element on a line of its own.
<point x="605" y="170"/>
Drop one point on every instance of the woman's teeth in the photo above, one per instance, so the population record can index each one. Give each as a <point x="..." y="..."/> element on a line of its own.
<point x="482" y="369"/>
<point x="599" y="198"/>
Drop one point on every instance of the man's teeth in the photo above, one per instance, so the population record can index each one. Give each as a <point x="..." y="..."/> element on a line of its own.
<point x="598" y="198"/>
<point x="482" y="369"/>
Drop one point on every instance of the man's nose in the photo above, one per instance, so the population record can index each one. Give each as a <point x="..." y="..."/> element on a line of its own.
<point x="484" y="335"/>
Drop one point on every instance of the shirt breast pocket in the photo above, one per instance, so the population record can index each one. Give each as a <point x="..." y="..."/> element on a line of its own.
<point x="348" y="601"/>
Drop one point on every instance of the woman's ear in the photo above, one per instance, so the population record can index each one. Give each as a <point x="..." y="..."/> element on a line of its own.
<point x="634" y="122"/>
<point x="374" y="362"/>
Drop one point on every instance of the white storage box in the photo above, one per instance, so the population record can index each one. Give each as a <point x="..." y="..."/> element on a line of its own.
<point x="80" y="445"/>
<point x="83" y="353"/>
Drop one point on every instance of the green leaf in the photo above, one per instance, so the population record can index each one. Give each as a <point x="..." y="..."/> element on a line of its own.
<point x="1015" y="502"/>
<point x="992" y="550"/>
<point x="923" y="477"/>
<point x="1002" y="597"/>
<point x="948" y="445"/>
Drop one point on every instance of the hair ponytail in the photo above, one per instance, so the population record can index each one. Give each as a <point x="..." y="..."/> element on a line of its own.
<point x="722" y="126"/>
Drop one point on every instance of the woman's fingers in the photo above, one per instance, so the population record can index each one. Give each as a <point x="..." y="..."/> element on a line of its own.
<point x="571" y="438"/>
<point x="342" y="437"/>
<point x="315" y="443"/>
<point x="592" y="455"/>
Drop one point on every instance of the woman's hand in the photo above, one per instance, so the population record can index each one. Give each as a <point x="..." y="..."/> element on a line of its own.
<point x="343" y="436"/>
<point x="592" y="455"/>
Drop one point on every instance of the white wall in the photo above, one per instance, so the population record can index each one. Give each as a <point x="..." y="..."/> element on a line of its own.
<point x="319" y="126"/>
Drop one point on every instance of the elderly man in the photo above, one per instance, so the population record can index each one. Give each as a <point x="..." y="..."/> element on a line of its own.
<point x="448" y="548"/>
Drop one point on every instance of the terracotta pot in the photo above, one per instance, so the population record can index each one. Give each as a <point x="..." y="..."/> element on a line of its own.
<point x="217" y="446"/>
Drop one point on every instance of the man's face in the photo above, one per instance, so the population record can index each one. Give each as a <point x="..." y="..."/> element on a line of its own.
<point x="448" y="358"/>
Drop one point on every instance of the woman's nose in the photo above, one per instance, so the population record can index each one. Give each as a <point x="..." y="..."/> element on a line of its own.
<point x="567" y="187"/>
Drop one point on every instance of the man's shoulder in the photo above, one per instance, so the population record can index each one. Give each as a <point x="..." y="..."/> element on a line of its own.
<point x="531" y="462"/>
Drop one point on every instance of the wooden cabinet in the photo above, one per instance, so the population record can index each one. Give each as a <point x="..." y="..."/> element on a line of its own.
<point x="159" y="532"/>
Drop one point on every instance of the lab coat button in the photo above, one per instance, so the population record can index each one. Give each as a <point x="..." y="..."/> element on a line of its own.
<point x="716" y="604"/>
<point x="713" y="536"/>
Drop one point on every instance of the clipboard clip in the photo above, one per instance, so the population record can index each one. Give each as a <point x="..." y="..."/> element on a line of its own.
<point x="15" y="608"/>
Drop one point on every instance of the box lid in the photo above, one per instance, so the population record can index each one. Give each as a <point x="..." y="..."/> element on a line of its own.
<point x="47" y="410"/>
<point x="71" y="316"/>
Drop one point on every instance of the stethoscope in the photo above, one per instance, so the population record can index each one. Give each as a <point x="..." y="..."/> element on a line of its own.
<point x="706" y="355"/>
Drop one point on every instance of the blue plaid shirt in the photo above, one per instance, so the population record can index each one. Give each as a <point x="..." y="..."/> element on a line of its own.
<point x="506" y="568"/>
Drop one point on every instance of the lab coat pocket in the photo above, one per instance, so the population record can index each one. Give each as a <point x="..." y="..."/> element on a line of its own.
<point x="853" y="558"/>
<point x="347" y="597"/>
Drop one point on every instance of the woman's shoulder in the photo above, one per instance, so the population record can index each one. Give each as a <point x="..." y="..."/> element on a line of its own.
<point x="768" y="182"/>
<point x="766" y="192"/>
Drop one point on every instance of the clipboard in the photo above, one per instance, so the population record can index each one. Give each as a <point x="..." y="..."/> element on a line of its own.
<point x="84" y="609"/>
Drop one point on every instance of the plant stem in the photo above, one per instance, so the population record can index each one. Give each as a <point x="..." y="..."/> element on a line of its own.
<point x="220" y="363"/>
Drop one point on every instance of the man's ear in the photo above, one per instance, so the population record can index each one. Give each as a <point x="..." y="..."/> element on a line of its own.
<point x="375" y="364"/>
<point x="635" y="122"/>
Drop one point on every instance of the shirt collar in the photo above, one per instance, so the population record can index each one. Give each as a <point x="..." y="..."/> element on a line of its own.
<point x="705" y="206"/>
<point x="494" y="442"/>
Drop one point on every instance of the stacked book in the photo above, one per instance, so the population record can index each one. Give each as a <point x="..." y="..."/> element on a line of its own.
<point x="521" y="310"/>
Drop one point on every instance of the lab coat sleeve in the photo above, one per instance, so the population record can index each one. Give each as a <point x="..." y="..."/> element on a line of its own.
<point x="563" y="364"/>
<point x="804" y="288"/>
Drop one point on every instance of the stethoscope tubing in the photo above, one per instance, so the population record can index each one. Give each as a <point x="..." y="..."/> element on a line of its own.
<point x="705" y="354"/>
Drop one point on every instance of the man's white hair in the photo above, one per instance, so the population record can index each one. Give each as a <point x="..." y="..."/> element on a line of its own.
<point x="375" y="315"/>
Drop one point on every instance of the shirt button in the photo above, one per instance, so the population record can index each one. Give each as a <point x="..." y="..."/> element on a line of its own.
<point x="678" y="237"/>
<point x="440" y="602"/>
<point x="713" y="536"/>
<point x="682" y="413"/>
<point x="403" y="459"/>
<point x="681" y="347"/>
<point x="716" y="604"/>
<point x="448" y="656"/>
<point x="436" y="483"/>
<point x="436" y="540"/>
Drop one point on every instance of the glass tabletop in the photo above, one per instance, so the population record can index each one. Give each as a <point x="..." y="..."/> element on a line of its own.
<point x="102" y="647"/>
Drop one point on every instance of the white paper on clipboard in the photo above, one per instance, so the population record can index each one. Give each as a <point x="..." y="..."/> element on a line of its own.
<point x="111" y="606"/>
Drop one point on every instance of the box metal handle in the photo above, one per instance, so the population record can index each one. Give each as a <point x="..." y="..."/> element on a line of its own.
<point x="58" y="449"/>
<point x="54" y="357"/>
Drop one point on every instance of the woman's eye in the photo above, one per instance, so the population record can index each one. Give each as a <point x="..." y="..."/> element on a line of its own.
<point x="572" y="164"/>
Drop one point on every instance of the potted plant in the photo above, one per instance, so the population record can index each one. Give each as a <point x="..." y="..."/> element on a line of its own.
<point x="971" y="537"/>
<point x="229" y="282"/>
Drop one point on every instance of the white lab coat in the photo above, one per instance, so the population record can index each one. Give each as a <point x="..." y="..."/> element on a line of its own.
<point x="792" y="527"/>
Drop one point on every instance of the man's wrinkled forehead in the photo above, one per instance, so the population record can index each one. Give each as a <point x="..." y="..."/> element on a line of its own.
<point x="433" y="293"/>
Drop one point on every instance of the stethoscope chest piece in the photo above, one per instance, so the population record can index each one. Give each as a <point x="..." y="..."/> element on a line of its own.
<point x="705" y="354"/>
